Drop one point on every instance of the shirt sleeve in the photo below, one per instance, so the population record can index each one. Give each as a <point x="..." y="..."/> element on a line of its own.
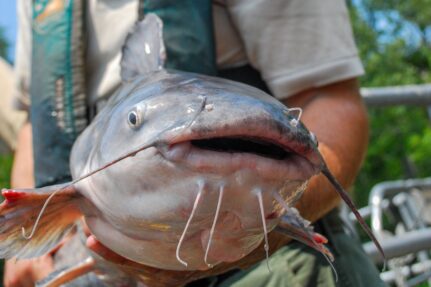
<point x="297" y="44"/>
<point x="21" y="95"/>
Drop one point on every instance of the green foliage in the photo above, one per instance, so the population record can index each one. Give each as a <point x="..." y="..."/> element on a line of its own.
<point x="3" y="44"/>
<point x="400" y="139"/>
<point x="5" y="169"/>
<point x="415" y="11"/>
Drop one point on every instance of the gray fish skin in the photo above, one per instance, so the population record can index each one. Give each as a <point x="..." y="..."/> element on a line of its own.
<point x="145" y="200"/>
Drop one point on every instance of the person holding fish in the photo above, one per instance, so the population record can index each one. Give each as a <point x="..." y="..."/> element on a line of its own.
<point x="301" y="52"/>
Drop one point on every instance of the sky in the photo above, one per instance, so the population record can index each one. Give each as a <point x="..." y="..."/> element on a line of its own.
<point x="8" y="23"/>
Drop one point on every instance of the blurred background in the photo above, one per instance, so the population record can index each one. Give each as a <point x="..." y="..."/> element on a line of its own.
<point x="8" y="29"/>
<point x="394" y="41"/>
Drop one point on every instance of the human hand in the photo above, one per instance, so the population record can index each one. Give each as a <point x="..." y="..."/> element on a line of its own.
<point x="26" y="272"/>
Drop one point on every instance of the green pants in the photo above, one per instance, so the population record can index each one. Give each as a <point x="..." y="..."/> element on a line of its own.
<point x="297" y="265"/>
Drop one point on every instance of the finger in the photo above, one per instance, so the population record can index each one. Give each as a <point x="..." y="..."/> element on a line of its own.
<point x="18" y="273"/>
<point x="104" y="251"/>
<point x="85" y="227"/>
<point x="42" y="267"/>
<point x="22" y="281"/>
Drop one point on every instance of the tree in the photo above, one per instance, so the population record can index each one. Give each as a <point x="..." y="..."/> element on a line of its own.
<point x="393" y="39"/>
<point x="3" y="44"/>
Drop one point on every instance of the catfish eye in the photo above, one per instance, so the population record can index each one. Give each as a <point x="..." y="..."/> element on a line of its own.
<point x="133" y="119"/>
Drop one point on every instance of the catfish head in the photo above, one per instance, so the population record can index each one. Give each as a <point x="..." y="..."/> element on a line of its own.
<point x="204" y="139"/>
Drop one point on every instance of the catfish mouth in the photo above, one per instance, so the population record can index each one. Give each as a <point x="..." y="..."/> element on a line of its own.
<point x="229" y="154"/>
<point x="256" y="146"/>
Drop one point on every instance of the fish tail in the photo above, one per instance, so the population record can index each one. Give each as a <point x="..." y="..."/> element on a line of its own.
<point x="47" y="214"/>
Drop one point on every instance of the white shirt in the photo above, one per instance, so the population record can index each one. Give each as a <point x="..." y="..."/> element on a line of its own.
<point x="295" y="44"/>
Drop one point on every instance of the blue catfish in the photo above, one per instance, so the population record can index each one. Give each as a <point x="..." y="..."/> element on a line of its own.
<point x="179" y="171"/>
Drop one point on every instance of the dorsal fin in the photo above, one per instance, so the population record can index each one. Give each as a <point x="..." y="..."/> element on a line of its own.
<point x="143" y="50"/>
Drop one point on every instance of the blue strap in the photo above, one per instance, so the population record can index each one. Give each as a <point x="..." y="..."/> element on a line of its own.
<point x="58" y="106"/>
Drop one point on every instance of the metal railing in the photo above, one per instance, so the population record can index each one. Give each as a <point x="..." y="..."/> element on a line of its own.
<point x="407" y="245"/>
<point x="418" y="95"/>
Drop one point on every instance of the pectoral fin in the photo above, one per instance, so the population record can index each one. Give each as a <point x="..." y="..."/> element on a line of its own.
<point x="294" y="226"/>
<point x="21" y="210"/>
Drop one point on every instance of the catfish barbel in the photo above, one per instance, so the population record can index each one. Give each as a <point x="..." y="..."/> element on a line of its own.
<point x="179" y="171"/>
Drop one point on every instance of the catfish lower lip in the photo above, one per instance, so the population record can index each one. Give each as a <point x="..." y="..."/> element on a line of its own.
<point x="293" y="168"/>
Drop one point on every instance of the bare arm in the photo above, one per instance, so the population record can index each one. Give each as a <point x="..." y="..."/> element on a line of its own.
<point x="337" y="116"/>
<point x="22" y="169"/>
